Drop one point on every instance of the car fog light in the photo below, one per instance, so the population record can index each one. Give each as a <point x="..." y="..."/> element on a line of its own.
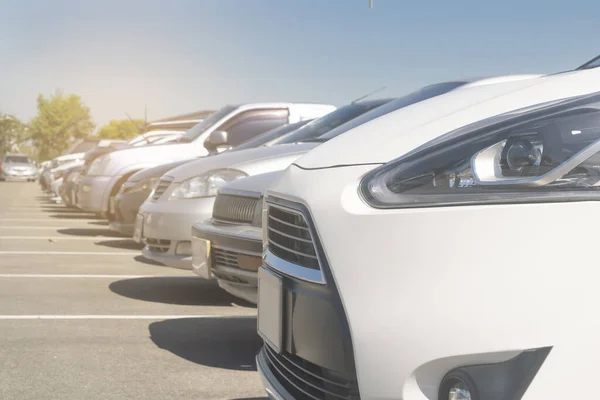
<point x="457" y="387"/>
<point x="184" y="249"/>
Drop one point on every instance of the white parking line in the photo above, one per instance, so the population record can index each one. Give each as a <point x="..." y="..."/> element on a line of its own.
<point x="32" y="227"/>
<point x="83" y="276"/>
<point x="13" y="317"/>
<point x="46" y="219"/>
<point x="58" y="237"/>
<point x="72" y="253"/>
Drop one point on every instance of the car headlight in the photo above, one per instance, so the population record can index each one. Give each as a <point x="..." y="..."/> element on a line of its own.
<point x="145" y="185"/>
<point x="207" y="184"/>
<point x="98" y="166"/>
<point x="548" y="152"/>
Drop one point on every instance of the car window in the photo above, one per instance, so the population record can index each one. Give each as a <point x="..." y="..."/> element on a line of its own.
<point x="422" y="94"/>
<point x="84" y="146"/>
<point x="203" y="126"/>
<point x="330" y="121"/>
<point x="17" y="159"/>
<point x="271" y="135"/>
<point x="249" y="124"/>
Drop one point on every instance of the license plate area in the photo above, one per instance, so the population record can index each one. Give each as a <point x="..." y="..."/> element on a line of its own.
<point x="139" y="227"/>
<point x="270" y="308"/>
<point x="201" y="260"/>
<point x="111" y="205"/>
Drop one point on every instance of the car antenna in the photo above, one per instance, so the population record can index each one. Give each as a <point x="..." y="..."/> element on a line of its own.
<point x="145" y="124"/>
<point x="368" y="94"/>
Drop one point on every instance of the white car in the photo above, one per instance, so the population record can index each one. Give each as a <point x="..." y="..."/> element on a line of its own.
<point x="446" y="254"/>
<point x="187" y="193"/>
<point x="234" y="233"/>
<point x="237" y="124"/>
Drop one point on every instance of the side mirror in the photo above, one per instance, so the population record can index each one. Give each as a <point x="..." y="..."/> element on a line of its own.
<point x="216" y="140"/>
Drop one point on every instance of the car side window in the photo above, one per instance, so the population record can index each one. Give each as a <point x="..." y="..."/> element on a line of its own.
<point x="249" y="124"/>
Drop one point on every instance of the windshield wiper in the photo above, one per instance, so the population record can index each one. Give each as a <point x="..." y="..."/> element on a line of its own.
<point x="314" y="140"/>
<point x="184" y="139"/>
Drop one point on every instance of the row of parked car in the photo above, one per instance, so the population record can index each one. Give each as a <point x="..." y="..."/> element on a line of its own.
<point x="410" y="247"/>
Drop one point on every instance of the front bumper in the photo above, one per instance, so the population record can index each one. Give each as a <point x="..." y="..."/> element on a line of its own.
<point x="241" y="246"/>
<point x="13" y="176"/>
<point x="126" y="209"/>
<point x="273" y="388"/>
<point x="427" y="290"/>
<point x="167" y="228"/>
<point x="92" y="193"/>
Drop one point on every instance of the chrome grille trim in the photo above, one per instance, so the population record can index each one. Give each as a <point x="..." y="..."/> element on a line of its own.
<point x="232" y="208"/>
<point x="162" y="185"/>
<point x="290" y="245"/>
<point x="157" y="245"/>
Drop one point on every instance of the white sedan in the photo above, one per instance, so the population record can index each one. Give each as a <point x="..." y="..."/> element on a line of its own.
<point x="446" y="253"/>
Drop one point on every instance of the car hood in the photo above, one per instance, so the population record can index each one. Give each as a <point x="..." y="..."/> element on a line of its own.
<point x="395" y="134"/>
<point x="156" y="172"/>
<point x="67" y="165"/>
<point x="251" y="161"/>
<point x="257" y="184"/>
<point x="69" y="157"/>
<point x="156" y="154"/>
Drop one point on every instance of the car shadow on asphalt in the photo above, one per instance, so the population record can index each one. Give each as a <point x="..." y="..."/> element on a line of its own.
<point x="228" y="343"/>
<point x="125" y="243"/>
<point x="90" y="232"/>
<point x="144" y="260"/>
<point x="180" y="290"/>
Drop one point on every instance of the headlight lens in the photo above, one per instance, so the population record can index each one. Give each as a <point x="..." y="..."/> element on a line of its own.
<point x="207" y="184"/>
<point x="145" y="185"/>
<point x="98" y="166"/>
<point x="548" y="152"/>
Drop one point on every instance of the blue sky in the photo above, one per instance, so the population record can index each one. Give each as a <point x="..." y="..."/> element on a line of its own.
<point x="178" y="56"/>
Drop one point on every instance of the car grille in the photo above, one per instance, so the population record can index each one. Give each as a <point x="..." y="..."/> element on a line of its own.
<point x="235" y="208"/>
<point x="290" y="237"/>
<point x="225" y="257"/>
<point x="158" y="245"/>
<point x="161" y="187"/>
<point x="305" y="380"/>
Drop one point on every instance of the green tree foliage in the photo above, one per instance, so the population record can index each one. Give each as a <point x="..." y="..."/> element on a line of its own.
<point x="60" y="120"/>
<point x="12" y="133"/>
<point x="121" y="129"/>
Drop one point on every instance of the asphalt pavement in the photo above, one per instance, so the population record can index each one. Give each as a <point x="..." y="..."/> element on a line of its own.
<point x="84" y="316"/>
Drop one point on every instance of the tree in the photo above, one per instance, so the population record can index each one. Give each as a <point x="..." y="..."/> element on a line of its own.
<point x="12" y="133"/>
<point x="121" y="129"/>
<point x="61" y="119"/>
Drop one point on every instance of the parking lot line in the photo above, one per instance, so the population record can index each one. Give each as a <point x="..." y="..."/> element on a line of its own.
<point x="73" y="253"/>
<point x="51" y="237"/>
<point x="32" y="227"/>
<point x="83" y="276"/>
<point x="84" y="220"/>
<point x="65" y="317"/>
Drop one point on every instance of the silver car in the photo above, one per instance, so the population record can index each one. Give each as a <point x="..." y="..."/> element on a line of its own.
<point x="18" y="167"/>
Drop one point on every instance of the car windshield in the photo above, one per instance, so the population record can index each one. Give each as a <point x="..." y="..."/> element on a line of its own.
<point x="322" y="125"/>
<point x="203" y="126"/>
<point x="83" y="147"/>
<point x="593" y="63"/>
<point x="271" y="135"/>
<point x="17" y="159"/>
<point x="424" y="93"/>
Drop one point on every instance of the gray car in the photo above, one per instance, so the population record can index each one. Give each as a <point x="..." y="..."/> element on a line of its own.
<point x="18" y="167"/>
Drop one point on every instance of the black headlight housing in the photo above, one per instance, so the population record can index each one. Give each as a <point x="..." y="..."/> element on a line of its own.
<point x="549" y="152"/>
